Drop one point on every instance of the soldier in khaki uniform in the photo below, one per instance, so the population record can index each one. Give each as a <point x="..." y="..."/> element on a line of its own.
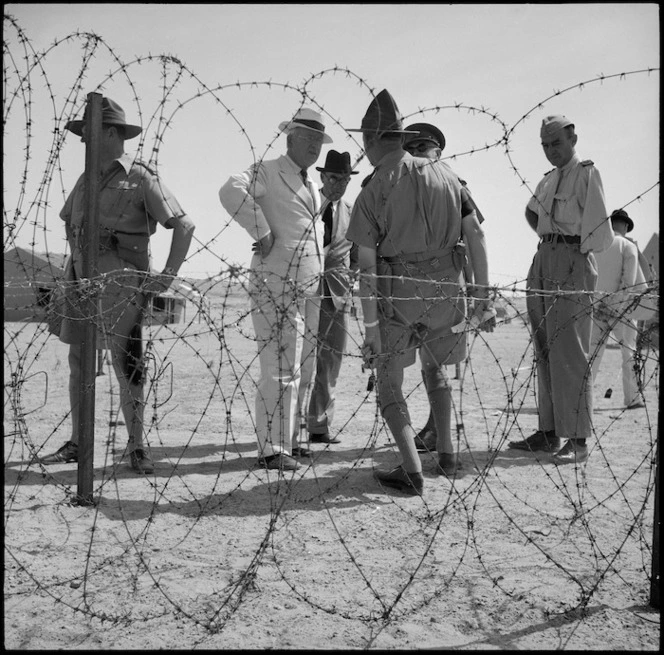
<point x="132" y="201"/>
<point x="568" y="212"/>
<point x="407" y="222"/>
<point x="429" y="142"/>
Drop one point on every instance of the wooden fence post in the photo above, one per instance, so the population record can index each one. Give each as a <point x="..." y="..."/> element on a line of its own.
<point x="655" y="575"/>
<point x="89" y="248"/>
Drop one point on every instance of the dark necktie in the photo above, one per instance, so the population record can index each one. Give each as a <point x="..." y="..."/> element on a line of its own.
<point x="559" y="171"/>
<point x="303" y="175"/>
<point x="327" y="221"/>
<point x="368" y="178"/>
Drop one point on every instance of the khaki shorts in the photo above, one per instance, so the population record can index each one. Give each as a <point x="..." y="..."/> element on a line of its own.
<point x="423" y="313"/>
<point x="114" y="300"/>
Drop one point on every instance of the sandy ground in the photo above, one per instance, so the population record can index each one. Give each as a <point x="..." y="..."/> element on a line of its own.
<point x="211" y="552"/>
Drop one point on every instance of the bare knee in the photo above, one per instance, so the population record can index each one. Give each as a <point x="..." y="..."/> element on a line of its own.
<point x="435" y="378"/>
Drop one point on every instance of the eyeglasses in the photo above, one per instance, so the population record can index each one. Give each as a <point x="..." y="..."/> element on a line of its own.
<point x="314" y="138"/>
<point x="338" y="179"/>
<point x="419" y="147"/>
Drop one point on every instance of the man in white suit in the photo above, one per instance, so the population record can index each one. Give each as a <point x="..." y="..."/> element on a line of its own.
<point x="279" y="206"/>
<point x="340" y="260"/>
<point x="619" y="280"/>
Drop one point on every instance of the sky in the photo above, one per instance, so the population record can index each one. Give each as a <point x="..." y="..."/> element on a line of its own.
<point x="210" y="84"/>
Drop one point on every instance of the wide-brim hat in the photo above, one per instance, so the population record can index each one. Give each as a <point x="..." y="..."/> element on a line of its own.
<point x="622" y="215"/>
<point x="337" y="162"/>
<point x="383" y="116"/>
<point x="111" y="114"/>
<point x="426" y="132"/>
<point x="307" y="119"/>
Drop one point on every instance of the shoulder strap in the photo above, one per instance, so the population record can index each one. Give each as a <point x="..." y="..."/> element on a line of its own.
<point x="138" y="162"/>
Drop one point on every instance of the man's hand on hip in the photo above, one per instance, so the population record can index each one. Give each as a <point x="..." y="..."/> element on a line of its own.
<point x="263" y="246"/>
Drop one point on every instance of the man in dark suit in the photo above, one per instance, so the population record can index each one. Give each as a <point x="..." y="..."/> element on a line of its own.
<point x="340" y="262"/>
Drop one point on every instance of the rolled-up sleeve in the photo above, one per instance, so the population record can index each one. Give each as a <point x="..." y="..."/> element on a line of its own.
<point x="362" y="229"/>
<point x="239" y="196"/>
<point x="160" y="203"/>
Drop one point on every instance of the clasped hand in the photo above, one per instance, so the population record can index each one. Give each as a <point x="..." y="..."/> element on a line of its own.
<point x="264" y="245"/>
<point x="371" y="347"/>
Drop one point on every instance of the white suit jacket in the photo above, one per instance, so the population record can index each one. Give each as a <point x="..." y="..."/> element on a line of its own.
<point x="271" y="197"/>
<point x="619" y="272"/>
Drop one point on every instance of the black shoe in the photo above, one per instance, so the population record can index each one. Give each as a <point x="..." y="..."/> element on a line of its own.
<point x="546" y="441"/>
<point x="280" y="461"/>
<point x="571" y="453"/>
<point x="298" y="451"/>
<point x="326" y="437"/>
<point x="450" y="464"/>
<point x="425" y="440"/>
<point x="410" y="483"/>
<point x="141" y="462"/>
<point x="68" y="453"/>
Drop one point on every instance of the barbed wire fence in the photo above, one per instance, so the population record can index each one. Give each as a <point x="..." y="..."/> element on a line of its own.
<point x="201" y="423"/>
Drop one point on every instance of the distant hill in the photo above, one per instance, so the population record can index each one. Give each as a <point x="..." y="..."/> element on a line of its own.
<point x="55" y="259"/>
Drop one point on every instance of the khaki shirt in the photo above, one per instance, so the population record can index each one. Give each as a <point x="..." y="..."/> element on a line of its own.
<point x="411" y="205"/>
<point x="132" y="200"/>
<point x="570" y="201"/>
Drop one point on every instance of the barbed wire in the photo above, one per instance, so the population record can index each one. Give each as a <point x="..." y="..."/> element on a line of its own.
<point x="201" y="374"/>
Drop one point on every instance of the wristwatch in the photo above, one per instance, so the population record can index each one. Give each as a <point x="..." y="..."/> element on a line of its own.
<point x="170" y="272"/>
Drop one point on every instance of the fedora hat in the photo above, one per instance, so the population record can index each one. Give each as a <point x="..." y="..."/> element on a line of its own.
<point x="622" y="215"/>
<point x="337" y="162"/>
<point x="426" y="132"/>
<point x="111" y="114"/>
<point x="383" y="116"/>
<point x="307" y="119"/>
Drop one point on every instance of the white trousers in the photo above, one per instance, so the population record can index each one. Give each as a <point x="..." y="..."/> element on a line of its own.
<point x="286" y="324"/>
<point x="625" y="333"/>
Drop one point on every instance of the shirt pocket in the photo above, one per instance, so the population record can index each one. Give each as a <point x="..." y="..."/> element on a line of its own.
<point x="565" y="208"/>
<point x="135" y="249"/>
<point x="116" y="201"/>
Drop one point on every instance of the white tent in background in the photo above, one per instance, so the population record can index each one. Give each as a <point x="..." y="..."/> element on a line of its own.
<point x="651" y="255"/>
<point x="647" y="312"/>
